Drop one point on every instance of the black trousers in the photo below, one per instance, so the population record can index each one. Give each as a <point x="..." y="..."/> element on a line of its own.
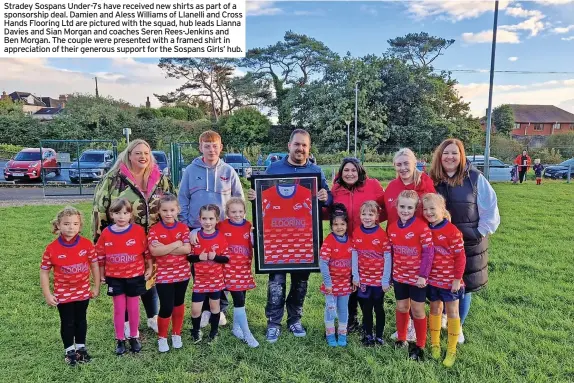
<point x="522" y="175"/>
<point x="353" y="307"/>
<point x="368" y="305"/>
<point x="73" y="323"/>
<point x="170" y="295"/>
<point x="276" y="298"/>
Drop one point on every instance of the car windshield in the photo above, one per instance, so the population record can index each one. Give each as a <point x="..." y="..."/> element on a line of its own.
<point x="28" y="156"/>
<point x="160" y="157"/>
<point x="568" y="162"/>
<point x="92" y="157"/>
<point x="230" y="158"/>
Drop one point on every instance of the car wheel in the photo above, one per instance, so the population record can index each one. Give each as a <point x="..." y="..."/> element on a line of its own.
<point x="74" y="180"/>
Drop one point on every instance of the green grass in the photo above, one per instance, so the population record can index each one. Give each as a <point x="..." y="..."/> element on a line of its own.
<point x="520" y="329"/>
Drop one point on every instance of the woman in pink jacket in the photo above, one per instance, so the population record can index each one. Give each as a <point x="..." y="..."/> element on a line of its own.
<point x="352" y="187"/>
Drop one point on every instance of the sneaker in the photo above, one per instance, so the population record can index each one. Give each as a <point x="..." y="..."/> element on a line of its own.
<point x="342" y="340"/>
<point x="238" y="332"/>
<point x="251" y="341"/>
<point x="121" y="347"/>
<point x="297" y="330"/>
<point x="212" y="338"/>
<point x="152" y="323"/>
<point x="83" y="356"/>
<point x="461" y="337"/>
<point x="71" y="358"/>
<point x="205" y="319"/>
<point x="127" y="329"/>
<point x="354" y="326"/>
<point x="331" y="340"/>
<point x="435" y="351"/>
<point x="449" y="359"/>
<point x="162" y="345"/>
<point x="135" y="345"/>
<point x="411" y="333"/>
<point x="401" y="344"/>
<point x="417" y="354"/>
<point x="443" y="322"/>
<point x="176" y="341"/>
<point x="196" y="336"/>
<point x="379" y="342"/>
<point x="272" y="334"/>
<point x="368" y="341"/>
<point x="222" y="319"/>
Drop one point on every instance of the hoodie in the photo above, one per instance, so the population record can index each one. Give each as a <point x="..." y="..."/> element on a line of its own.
<point x="202" y="185"/>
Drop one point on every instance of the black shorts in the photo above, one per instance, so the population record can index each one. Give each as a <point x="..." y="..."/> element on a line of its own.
<point x="200" y="297"/>
<point x="445" y="295"/>
<point x="132" y="287"/>
<point x="370" y="292"/>
<point x="406" y="291"/>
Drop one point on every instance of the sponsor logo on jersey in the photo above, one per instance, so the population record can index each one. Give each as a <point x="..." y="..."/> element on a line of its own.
<point x="409" y="235"/>
<point x="441" y="237"/>
<point x="376" y="241"/>
<point x="163" y="236"/>
<point x="228" y="234"/>
<point x="276" y="207"/>
<point x="297" y="206"/>
<point x="246" y="236"/>
<point x="130" y="242"/>
<point x="82" y="253"/>
<point x="109" y="244"/>
<point x="61" y="256"/>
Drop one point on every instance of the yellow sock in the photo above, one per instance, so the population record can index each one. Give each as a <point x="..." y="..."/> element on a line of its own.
<point x="434" y="325"/>
<point x="453" y="333"/>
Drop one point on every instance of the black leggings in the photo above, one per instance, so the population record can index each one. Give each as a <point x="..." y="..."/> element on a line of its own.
<point x="170" y="295"/>
<point x="73" y="323"/>
<point x="238" y="298"/>
<point x="522" y="175"/>
<point x="367" y="306"/>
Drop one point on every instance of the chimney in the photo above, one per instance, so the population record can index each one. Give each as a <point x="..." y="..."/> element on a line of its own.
<point x="5" y="96"/>
<point x="147" y="103"/>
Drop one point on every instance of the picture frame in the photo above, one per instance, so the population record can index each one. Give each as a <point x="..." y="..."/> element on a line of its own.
<point x="288" y="231"/>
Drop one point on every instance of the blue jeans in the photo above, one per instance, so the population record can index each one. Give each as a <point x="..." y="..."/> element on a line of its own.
<point x="464" y="306"/>
<point x="336" y="307"/>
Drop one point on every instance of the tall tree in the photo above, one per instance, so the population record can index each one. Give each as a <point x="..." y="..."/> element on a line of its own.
<point x="503" y="119"/>
<point x="288" y="63"/>
<point x="419" y="49"/>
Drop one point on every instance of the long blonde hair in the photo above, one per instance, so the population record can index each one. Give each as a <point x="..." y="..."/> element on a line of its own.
<point x="439" y="201"/>
<point x="68" y="211"/>
<point x="124" y="158"/>
<point x="417" y="174"/>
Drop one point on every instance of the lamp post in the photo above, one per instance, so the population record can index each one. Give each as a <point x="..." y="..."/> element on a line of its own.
<point x="348" y="122"/>
<point x="356" y="113"/>
<point x="489" y="114"/>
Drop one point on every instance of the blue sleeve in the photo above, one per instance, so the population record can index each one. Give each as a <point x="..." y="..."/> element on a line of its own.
<point x="355" y="266"/>
<point x="324" y="267"/>
<point x="184" y="199"/>
<point x="386" y="282"/>
<point x="325" y="185"/>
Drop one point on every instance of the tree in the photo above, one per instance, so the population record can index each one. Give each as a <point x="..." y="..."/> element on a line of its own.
<point x="288" y="63"/>
<point x="419" y="49"/>
<point x="503" y="119"/>
<point x="173" y="112"/>
<point x="7" y="106"/>
<point x="245" y="127"/>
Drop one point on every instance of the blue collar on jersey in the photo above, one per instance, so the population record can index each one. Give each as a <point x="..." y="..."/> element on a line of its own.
<point x="407" y="224"/>
<point x="72" y="243"/>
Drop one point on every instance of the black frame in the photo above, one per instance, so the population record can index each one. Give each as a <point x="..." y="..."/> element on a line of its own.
<point x="258" y="183"/>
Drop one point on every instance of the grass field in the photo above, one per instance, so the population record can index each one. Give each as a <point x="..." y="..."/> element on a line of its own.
<point x="520" y="329"/>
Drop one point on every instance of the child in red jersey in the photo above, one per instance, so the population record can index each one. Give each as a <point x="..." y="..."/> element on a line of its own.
<point x="169" y="246"/>
<point x="413" y="253"/>
<point x="372" y="272"/>
<point x="208" y="257"/>
<point x="445" y="278"/>
<point x="72" y="257"/>
<point x="336" y="268"/>
<point x="126" y="265"/>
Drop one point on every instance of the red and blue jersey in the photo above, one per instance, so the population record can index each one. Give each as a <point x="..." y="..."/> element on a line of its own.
<point x="338" y="254"/>
<point x="170" y="268"/>
<point x="449" y="257"/>
<point x="123" y="254"/>
<point x="209" y="274"/>
<point x="371" y="245"/>
<point x="237" y="271"/>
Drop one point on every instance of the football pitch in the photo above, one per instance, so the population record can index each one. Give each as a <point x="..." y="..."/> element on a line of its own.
<point x="520" y="329"/>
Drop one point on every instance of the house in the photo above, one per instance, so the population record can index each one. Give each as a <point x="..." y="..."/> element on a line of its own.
<point x="32" y="104"/>
<point x="55" y="103"/>
<point x="47" y="113"/>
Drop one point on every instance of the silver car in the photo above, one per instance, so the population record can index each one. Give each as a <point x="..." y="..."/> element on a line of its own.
<point x="499" y="171"/>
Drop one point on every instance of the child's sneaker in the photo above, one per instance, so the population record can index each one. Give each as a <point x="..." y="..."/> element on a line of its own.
<point x="461" y="337"/>
<point x="236" y="330"/>
<point x="342" y="341"/>
<point x="135" y="345"/>
<point x="332" y="340"/>
<point x="195" y="336"/>
<point x="83" y="356"/>
<point x="121" y="347"/>
<point x="368" y="341"/>
<point x="222" y="319"/>
<point x="379" y="342"/>
<point x="162" y="345"/>
<point x="204" y="319"/>
<point x="435" y="351"/>
<point x="272" y="334"/>
<point x="443" y="322"/>
<point x="251" y="341"/>
<point x="416" y="353"/>
<point x="176" y="341"/>
<point x="71" y="358"/>
<point x="127" y="329"/>
<point x="449" y="359"/>
<point x="212" y="338"/>
<point x="152" y="323"/>
<point x="401" y="344"/>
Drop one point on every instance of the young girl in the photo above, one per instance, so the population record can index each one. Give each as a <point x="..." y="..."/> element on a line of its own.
<point x="126" y="265"/>
<point x="72" y="257"/>
<point x="372" y="271"/>
<point x="336" y="268"/>
<point x="445" y="279"/>
<point x="413" y="253"/>
<point x="538" y="168"/>
<point x="169" y="246"/>
<point x="208" y="257"/>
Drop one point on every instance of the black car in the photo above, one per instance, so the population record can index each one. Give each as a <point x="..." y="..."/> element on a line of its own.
<point x="560" y="170"/>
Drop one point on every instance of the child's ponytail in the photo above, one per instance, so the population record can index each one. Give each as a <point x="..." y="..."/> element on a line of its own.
<point x="338" y="210"/>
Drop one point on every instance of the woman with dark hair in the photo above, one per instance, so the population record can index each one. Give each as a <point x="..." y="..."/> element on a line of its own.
<point x="472" y="203"/>
<point x="351" y="188"/>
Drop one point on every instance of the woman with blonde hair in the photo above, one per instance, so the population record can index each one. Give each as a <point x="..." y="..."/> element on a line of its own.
<point x="136" y="177"/>
<point x="472" y="203"/>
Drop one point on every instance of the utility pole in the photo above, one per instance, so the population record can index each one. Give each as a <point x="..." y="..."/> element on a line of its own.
<point x="348" y="122"/>
<point x="356" y="113"/>
<point x="489" y="114"/>
<point x="97" y="93"/>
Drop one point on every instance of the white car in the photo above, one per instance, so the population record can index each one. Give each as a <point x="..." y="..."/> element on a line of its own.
<point x="499" y="171"/>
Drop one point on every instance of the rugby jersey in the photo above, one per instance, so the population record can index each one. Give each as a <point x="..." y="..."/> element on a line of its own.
<point x="371" y="245"/>
<point x="170" y="268"/>
<point x="123" y="254"/>
<point x="209" y="274"/>
<point x="449" y="257"/>
<point x="338" y="255"/>
<point x="237" y="272"/>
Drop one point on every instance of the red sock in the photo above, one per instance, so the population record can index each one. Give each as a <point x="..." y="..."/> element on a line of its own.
<point x="402" y="325"/>
<point x="177" y="321"/>
<point x="421" y="330"/>
<point x="162" y="326"/>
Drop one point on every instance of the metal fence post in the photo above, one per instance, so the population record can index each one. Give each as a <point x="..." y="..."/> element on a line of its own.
<point x="568" y="176"/>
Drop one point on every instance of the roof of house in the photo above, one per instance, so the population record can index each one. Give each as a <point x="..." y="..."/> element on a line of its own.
<point x="49" y="111"/>
<point x="541" y="114"/>
<point x="52" y="102"/>
<point x="22" y="96"/>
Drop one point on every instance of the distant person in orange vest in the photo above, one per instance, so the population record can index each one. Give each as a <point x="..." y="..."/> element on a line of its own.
<point x="523" y="162"/>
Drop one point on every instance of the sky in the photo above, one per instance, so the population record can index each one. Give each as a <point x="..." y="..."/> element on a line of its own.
<point x="533" y="36"/>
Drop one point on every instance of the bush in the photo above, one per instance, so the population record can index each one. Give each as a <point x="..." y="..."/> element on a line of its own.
<point x="562" y="142"/>
<point x="9" y="151"/>
<point x="547" y="156"/>
<point x="505" y="148"/>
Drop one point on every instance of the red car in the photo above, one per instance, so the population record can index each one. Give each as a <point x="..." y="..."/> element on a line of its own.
<point x="28" y="163"/>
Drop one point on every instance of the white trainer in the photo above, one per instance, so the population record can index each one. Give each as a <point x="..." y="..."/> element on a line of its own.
<point x="176" y="341"/>
<point x="460" y="337"/>
<point x="444" y="322"/>
<point x="251" y="341"/>
<point x="127" y="330"/>
<point x="162" y="345"/>
<point x="152" y="323"/>
<point x="236" y="330"/>
<point x="204" y="319"/>
<point x="411" y="333"/>
<point x="222" y="319"/>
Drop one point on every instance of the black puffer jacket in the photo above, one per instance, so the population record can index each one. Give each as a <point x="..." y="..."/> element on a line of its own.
<point x="461" y="202"/>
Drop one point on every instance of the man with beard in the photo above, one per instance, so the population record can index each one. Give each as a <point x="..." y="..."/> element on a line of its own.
<point x="296" y="162"/>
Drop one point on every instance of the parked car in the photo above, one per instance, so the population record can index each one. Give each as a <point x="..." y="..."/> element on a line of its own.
<point x="499" y="171"/>
<point x="28" y="164"/>
<point x="91" y="166"/>
<point x="272" y="157"/>
<point x="161" y="160"/>
<point x="240" y="163"/>
<point x="560" y="170"/>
